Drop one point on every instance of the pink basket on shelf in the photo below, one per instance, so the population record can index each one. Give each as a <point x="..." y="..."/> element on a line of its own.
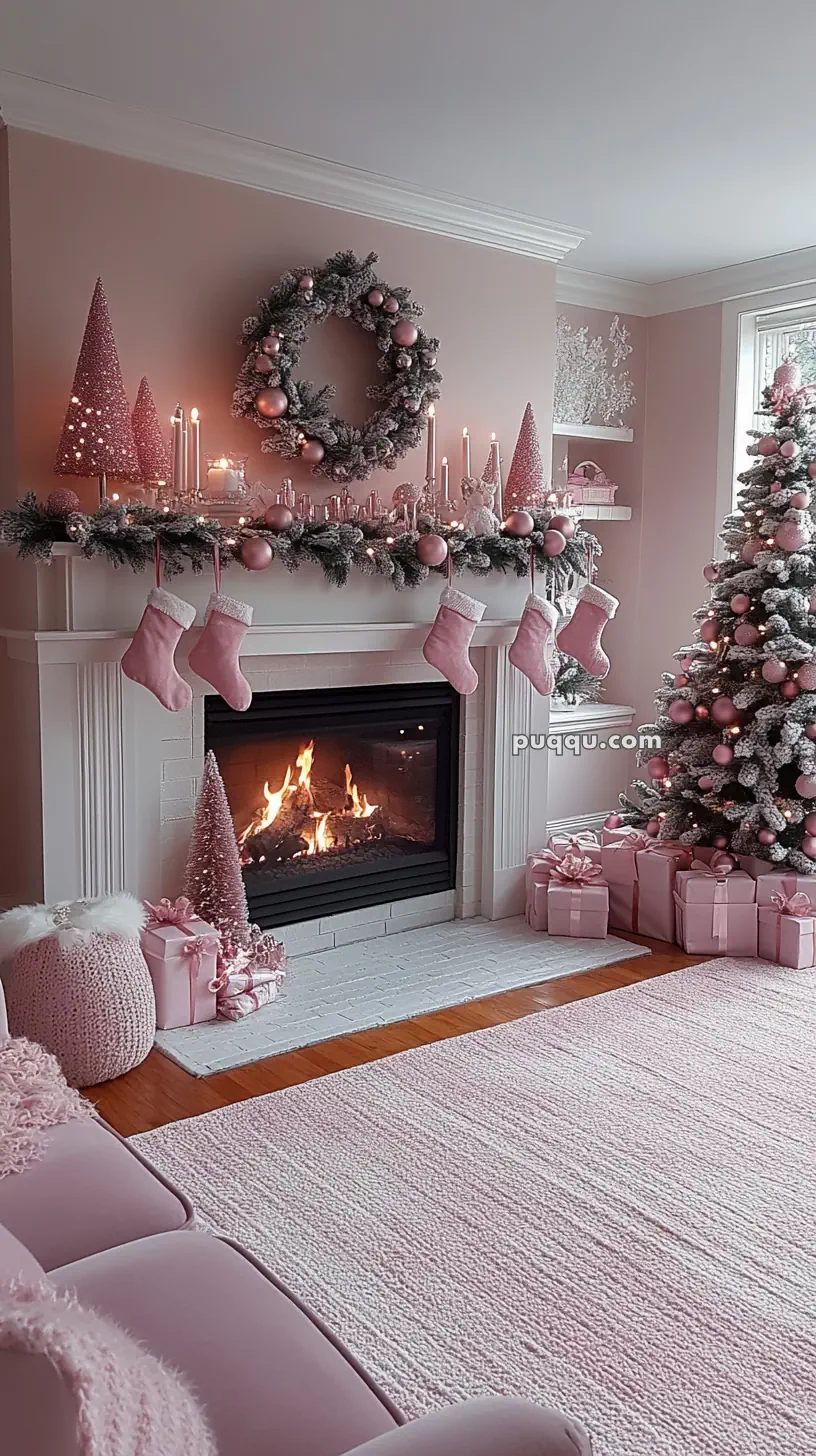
<point x="591" y="486"/>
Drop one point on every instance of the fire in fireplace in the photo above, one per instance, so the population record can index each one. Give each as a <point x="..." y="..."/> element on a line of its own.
<point x="340" y="797"/>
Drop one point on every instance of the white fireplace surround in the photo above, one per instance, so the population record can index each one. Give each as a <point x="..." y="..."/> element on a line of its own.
<point x="118" y="774"/>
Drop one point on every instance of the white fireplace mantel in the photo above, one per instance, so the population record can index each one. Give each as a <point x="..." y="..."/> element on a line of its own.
<point x="118" y="774"/>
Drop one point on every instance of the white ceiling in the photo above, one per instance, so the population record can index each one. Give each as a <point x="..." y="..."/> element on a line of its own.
<point x="681" y="136"/>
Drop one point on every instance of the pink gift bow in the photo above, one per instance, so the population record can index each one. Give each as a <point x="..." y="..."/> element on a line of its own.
<point x="799" y="906"/>
<point x="170" y="912"/>
<point x="585" y="839"/>
<point x="720" y="867"/>
<point x="632" y="839"/>
<point x="721" y="864"/>
<point x="574" y="869"/>
<point x="194" y="947"/>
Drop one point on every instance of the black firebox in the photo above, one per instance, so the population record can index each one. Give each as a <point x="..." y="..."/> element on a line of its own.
<point x="340" y="797"/>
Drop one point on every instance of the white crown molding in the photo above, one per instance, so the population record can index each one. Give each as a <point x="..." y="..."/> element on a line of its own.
<point x="596" y="290"/>
<point x="741" y="280"/>
<point x="129" y="131"/>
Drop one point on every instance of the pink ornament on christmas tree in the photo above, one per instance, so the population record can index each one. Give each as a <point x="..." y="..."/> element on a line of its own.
<point x="213" y="882"/>
<point x="526" y="483"/>
<point x="97" y="436"/>
<point x="151" y="446"/>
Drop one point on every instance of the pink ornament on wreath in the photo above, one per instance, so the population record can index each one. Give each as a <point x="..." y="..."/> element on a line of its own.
<point x="271" y="403"/>
<point x="405" y="333"/>
<point x="432" y="550"/>
<point x="263" y="365"/>
<point x="681" y="711"/>
<point x="768" y="445"/>
<point x="767" y="836"/>
<point x="746" y="634"/>
<point x="686" y="662"/>
<point x="806" y="677"/>
<point x="520" y="523"/>
<point x="564" y="524"/>
<point x="811" y="470"/>
<point x="740" y="603"/>
<point x="810" y="731"/>
<point x="391" y="304"/>
<point x="279" y="517"/>
<point x="255" y="553"/>
<point x="271" y="344"/>
<point x="554" y="543"/>
<point x="306" y="283"/>
<point x="312" y="451"/>
<point x="62" y="503"/>
<point x="805" y="786"/>
<point x="723" y="755"/>
<point x="776" y="486"/>
<point x="701" y="712"/>
<point x="774" y="671"/>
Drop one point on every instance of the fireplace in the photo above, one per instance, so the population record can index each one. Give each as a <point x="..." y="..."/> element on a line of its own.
<point x="340" y="797"/>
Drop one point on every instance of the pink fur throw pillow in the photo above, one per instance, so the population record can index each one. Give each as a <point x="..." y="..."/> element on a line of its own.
<point x="122" y="1400"/>
<point x="34" y="1096"/>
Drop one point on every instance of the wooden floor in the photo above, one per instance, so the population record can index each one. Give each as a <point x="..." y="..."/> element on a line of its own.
<point x="159" y="1091"/>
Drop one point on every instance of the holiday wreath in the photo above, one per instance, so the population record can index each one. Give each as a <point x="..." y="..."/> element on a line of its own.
<point x="295" y="412"/>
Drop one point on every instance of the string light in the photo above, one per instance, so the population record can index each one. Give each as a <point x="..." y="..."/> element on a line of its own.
<point x="115" y="496"/>
<point x="369" y="550"/>
<point x="242" y="520"/>
<point x="389" y="540"/>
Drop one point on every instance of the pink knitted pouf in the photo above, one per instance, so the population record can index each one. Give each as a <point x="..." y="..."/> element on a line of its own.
<point x="76" y="982"/>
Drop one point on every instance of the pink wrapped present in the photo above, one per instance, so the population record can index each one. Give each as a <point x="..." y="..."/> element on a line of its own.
<point x="787" y="931"/>
<point x="577" y="899"/>
<point x="657" y="867"/>
<point x="253" y="978"/>
<point x="619" y="866"/>
<point x="783" y="882"/>
<point x="537" y="876"/>
<point x="627" y="834"/>
<point x="584" y="843"/>
<point x="537" y="906"/>
<point x="716" y="909"/>
<point x="181" y="953"/>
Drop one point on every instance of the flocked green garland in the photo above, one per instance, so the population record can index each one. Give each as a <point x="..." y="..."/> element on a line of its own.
<point x="127" y="536"/>
<point x="344" y="286"/>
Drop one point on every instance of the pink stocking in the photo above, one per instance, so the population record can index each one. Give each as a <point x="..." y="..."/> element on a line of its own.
<point x="446" y="646"/>
<point x="215" y="655"/>
<point x="581" y="636"/>
<point x="533" y="643"/>
<point x="149" y="658"/>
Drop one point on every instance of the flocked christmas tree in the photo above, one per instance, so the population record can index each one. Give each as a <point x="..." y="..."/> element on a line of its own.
<point x="151" y="446"/>
<point x="527" y="481"/>
<point x="97" y="435"/>
<point x="737" y="764"/>
<point x="212" y="879"/>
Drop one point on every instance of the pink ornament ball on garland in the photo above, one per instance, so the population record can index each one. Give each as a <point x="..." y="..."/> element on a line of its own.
<point x="740" y="603"/>
<point x="564" y="524"/>
<point x="375" y="298"/>
<point x="810" y="823"/>
<point x="255" y="553"/>
<point x="657" y="768"/>
<point x="705" y="783"/>
<point x="685" y="663"/>
<point x="271" y="403"/>
<point x="800" y="500"/>
<point x="681" y="680"/>
<point x="554" y="543"/>
<point x="767" y="836"/>
<point x="681" y="711"/>
<point x="279" y="517"/>
<point x="810" y="732"/>
<point x="805" y="786"/>
<point x="768" y="445"/>
<point x="774" y="671"/>
<point x="808" y="846"/>
<point x="806" y="677"/>
<point x="271" y="344"/>
<point x="776" y="486"/>
<point x="723" y="712"/>
<point x="790" y="536"/>
<point x="746" y="634"/>
<point x="653" y="828"/>
<point x="723" y="755"/>
<point x="789" y="449"/>
<point x="62" y="503"/>
<point x="405" y="333"/>
<point x="520" y="523"/>
<point x="709" y="631"/>
<point x="751" y="547"/>
<point x="306" y="283"/>
<point x="432" y="550"/>
<point x="701" y="712"/>
<point x="263" y="364"/>
<point x="719" y="841"/>
<point x="789" y="690"/>
<point x="391" y="304"/>
<point x="711" y="572"/>
<point x="312" y="451"/>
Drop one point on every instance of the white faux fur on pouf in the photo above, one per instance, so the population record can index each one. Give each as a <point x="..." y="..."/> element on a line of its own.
<point x="76" y="981"/>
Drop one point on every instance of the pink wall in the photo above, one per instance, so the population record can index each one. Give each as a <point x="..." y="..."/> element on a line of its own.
<point x="680" y="487"/>
<point x="184" y="259"/>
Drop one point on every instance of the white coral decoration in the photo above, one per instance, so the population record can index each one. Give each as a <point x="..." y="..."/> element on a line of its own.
<point x="588" y="388"/>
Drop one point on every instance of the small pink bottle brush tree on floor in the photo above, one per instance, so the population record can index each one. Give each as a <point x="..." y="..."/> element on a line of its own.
<point x="737" y="723"/>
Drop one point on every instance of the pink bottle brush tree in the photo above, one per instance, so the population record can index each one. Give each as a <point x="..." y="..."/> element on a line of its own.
<point x="527" y="481"/>
<point x="212" y="879"/>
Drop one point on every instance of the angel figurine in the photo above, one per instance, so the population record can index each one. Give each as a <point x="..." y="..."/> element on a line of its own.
<point x="478" y="497"/>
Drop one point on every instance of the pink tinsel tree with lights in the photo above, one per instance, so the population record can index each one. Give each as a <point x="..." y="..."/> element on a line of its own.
<point x="97" y="435"/>
<point x="212" y="879"/>
<point x="151" y="446"/>
<point x="527" y="481"/>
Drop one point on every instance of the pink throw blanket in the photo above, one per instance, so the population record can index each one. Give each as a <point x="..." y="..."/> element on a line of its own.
<point x="34" y="1096"/>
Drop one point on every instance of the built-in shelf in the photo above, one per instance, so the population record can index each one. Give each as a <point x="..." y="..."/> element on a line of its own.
<point x="595" y="432"/>
<point x="601" y="513"/>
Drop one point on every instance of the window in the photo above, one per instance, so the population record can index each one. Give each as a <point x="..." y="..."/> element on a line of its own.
<point x="763" y="339"/>
<point x="788" y="333"/>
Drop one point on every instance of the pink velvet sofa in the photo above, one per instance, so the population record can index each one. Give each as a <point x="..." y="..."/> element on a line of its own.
<point x="92" y="1216"/>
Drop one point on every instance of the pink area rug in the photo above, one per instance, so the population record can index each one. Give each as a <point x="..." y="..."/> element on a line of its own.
<point x="608" y="1207"/>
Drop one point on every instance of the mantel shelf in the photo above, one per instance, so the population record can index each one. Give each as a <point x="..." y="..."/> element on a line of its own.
<point x="595" y="432"/>
<point x="600" y="513"/>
